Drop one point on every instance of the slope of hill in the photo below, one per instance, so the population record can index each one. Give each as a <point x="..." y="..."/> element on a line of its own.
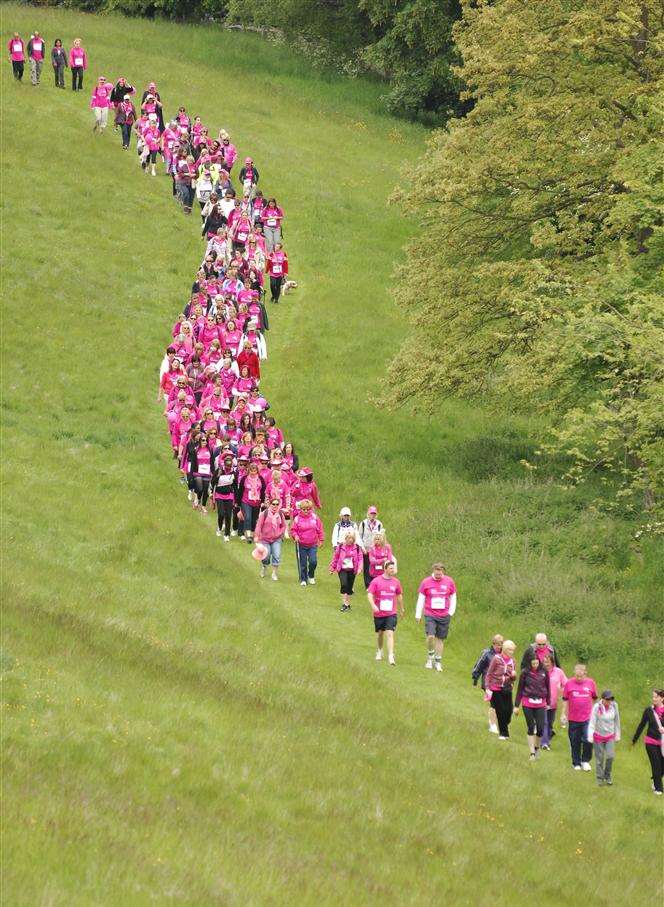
<point x="176" y="731"/>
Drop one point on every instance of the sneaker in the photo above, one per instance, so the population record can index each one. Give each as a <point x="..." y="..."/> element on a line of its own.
<point x="218" y="533"/>
<point x="390" y="660"/>
<point x="577" y="768"/>
<point x="233" y="532"/>
<point x="379" y="655"/>
<point x="503" y="738"/>
<point x="438" y="666"/>
<point x="609" y="782"/>
<point x="303" y="583"/>
<point x="545" y="746"/>
<point x="342" y="608"/>
<point x="658" y="793"/>
<point x="533" y="757"/>
<point x="429" y="664"/>
<point x="274" y="576"/>
<point x="312" y="581"/>
<point x="262" y="570"/>
<point x="493" y="728"/>
<point x="586" y="766"/>
<point x="227" y="538"/>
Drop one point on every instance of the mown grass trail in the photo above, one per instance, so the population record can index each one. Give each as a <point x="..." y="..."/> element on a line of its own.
<point x="174" y="730"/>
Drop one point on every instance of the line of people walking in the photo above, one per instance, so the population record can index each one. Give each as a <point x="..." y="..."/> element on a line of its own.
<point x="35" y="53"/>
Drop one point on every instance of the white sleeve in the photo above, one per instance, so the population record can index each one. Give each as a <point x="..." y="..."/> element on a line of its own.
<point x="163" y="368"/>
<point x="335" y="535"/>
<point x="591" y="725"/>
<point x="452" y="604"/>
<point x="420" y="606"/>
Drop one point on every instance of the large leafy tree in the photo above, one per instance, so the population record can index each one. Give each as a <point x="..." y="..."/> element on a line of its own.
<point x="537" y="273"/>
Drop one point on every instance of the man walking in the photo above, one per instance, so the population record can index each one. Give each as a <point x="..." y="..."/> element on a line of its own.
<point x="579" y="694"/>
<point x="541" y="649"/>
<point x="17" y="55"/>
<point x="385" y="597"/>
<point x="437" y="599"/>
<point x="36" y="57"/>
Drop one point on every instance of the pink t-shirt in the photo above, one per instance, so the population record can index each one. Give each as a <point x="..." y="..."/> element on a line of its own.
<point x="437" y="594"/>
<point x="579" y="695"/>
<point x="557" y="681"/>
<point x="385" y="590"/>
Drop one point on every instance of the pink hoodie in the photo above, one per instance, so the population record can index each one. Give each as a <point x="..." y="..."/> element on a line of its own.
<point x="78" y="57"/>
<point x="270" y="526"/>
<point x="347" y="557"/>
<point x="307" y="529"/>
<point x="101" y="96"/>
<point x="16" y="49"/>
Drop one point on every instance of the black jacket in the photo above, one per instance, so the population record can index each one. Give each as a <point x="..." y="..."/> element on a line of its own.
<point x="482" y="665"/>
<point x="529" y="654"/>
<point x="243" y="174"/>
<point x="120" y="91"/>
<point x="649" y="722"/>
<point x="59" y="57"/>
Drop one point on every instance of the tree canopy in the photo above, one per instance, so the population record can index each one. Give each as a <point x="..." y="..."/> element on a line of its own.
<point x="537" y="275"/>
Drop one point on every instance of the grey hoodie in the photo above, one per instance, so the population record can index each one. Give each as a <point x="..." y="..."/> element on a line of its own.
<point x="604" y="722"/>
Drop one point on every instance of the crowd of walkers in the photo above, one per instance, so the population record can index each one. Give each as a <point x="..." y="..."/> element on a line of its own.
<point x="592" y="721"/>
<point x="234" y="458"/>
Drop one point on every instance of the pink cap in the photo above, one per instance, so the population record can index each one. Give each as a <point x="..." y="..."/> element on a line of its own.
<point x="248" y="160"/>
<point x="372" y="509"/>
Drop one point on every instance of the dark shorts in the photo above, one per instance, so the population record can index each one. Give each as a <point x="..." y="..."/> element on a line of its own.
<point x="385" y="623"/>
<point x="437" y="626"/>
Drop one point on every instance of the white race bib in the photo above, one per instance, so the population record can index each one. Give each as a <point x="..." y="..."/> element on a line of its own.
<point x="204" y="469"/>
<point x="272" y="221"/>
<point x="534" y="701"/>
<point x="437" y="603"/>
<point x="37" y="45"/>
<point x="347" y="563"/>
<point x="276" y="268"/>
<point x="17" y="48"/>
<point x="386" y="604"/>
<point x="378" y="568"/>
<point x="78" y="61"/>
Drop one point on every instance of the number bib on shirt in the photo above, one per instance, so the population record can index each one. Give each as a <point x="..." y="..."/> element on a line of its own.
<point x="438" y="604"/>
<point x="272" y="221"/>
<point x="276" y="268"/>
<point x="78" y="61"/>
<point x="347" y="563"/>
<point x="17" y="48"/>
<point x="386" y="604"/>
<point x="204" y="469"/>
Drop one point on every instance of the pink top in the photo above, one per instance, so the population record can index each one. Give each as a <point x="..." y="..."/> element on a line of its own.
<point x="37" y="49"/>
<point x="579" y="695"/>
<point x="101" y="96"/>
<point x="437" y="594"/>
<point x="385" y="590"/>
<point x="78" y="57"/>
<point x="272" y="217"/>
<point x="307" y="529"/>
<point x="557" y="681"/>
<point x="16" y="50"/>
<point x="347" y="557"/>
<point x="270" y="526"/>
<point x="377" y="558"/>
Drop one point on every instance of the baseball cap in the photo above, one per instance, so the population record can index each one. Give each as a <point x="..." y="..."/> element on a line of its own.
<point x="372" y="509"/>
<point x="345" y="511"/>
<point x="607" y="694"/>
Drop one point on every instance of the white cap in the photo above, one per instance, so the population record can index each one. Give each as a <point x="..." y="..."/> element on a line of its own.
<point x="345" y="511"/>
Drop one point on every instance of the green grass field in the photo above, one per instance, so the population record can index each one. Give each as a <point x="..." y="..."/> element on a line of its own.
<point x="176" y="731"/>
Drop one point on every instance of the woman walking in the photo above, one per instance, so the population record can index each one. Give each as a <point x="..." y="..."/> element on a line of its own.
<point x="78" y="63"/>
<point x="251" y="493"/>
<point x="533" y="691"/>
<point x="224" y="496"/>
<point x="59" y="61"/>
<point x="276" y="265"/>
<point x="307" y="530"/>
<point x="125" y="117"/>
<point x="652" y="721"/>
<point x="557" y="681"/>
<point x="500" y="678"/>
<point x="200" y="466"/>
<point x="270" y="531"/>
<point x="100" y="102"/>
<point x="604" y="733"/>
<point x="16" y="49"/>
<point x="271" y="218"/>
<point x="347" y="562"/>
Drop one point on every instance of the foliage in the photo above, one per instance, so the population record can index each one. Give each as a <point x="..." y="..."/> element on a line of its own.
<point x="537" y="274"/>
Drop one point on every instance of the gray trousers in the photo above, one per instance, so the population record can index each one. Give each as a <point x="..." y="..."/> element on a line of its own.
<point x="272" y="235"/>
<point x="35" y="70"/>
<point x="605" y="753"/>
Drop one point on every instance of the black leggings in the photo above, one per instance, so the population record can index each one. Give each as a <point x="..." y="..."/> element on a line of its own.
<point x="656" y="764"/>
<point x="225" y="510"/>
<point x="346" y="581"/>
<point x="76" y="78"/>
<point x="202" y="489"/>
<point x="17" y="66"/>
<point x="535" y="720"/>
<point x="501" y="701"/>
<point x="275" y="287"/>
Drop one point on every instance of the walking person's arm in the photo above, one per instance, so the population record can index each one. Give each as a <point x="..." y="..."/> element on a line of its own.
<point x="419" y="607"/>
<point x="400" y="604"/>
<point x="372" y="603"/>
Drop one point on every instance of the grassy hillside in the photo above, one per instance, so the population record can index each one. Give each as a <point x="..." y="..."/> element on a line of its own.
<point x="174" y="730"/>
